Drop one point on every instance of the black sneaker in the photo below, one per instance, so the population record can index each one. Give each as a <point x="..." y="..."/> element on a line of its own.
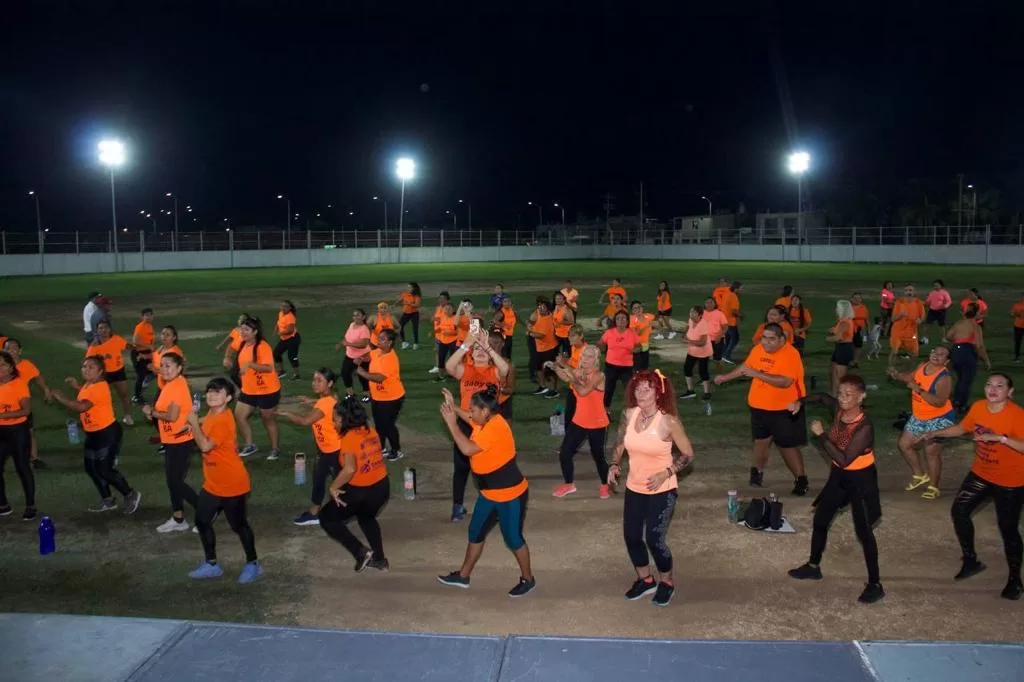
<point x="1013" y="590"/>
<point x="756" y="477"/>
<point x="540" y="391"/>
<point x="454" y="579"/>
<point x="379" y="564"/>
<point x="805" y="572"/>
<point x="641" y="588"/>
<point x="663" y="595"/>
<point x="706" y="397"/>
<point x="39" y="464"/>
<point x="365" y="398"/>
<point x="363" y="561"/>
<point x="523" y="588"/>
<point x="552" y="394"/>
<point x="801" y="486"/>
<point x="872" y="592"/>
<point x="687" y="395"/>
<point x="458" y="512"/>
<point x="6" y="510"/>
<point x="969" y="568"/>
<point x="29" y="514"/>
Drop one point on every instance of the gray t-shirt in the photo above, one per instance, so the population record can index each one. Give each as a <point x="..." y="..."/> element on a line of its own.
<point x="98" y="315"/>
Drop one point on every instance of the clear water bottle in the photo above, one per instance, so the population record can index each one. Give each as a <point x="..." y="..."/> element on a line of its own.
<point x="72" y="426"/>
<point x="196" y="402"/>
<point x="300" y="468"/>
<point x="409" y="483"/>
<point x="734" y="506"/>
<point x="707" y="407"/>
<point x="47" y="536"/>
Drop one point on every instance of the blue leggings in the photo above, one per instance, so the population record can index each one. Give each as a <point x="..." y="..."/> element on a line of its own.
<point x="509" y="516"/>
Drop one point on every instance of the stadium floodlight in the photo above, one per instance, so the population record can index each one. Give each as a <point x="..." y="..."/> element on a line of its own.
<point x="112" y="155"/>
<point x="799" y="163"/>
<point x="405" y="169"/>
<point x="287" y="212"/>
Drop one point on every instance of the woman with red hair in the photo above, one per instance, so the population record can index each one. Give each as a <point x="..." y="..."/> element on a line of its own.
<point x="648" y="429"/>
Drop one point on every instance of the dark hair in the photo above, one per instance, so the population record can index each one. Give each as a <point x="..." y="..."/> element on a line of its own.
<point x="256" y="326"/>
<point x="799" y="307"/>
<point x="855" y="381"/>
<point x="974" y="290"/>
<point x="635" y="302"/>
<point x="774" y="328"/>
<point x="9" y="359"/>
<point x="939" y="282"/>
<point x="735" y="286"/>
<point x="1007" y="377"/>
<point x="499" y="284"/>
<point x="174" y="331"/>
<point x="415" y="289"/>
<point x="351" y="414"/>
<point x="699" y="309"/>
<point x="98" y="361"/>
<point x="445" y="294"/>
<point x="11" y="339"/>
<point x="363" y="313"/>
<point x="665" y="282"/>
<point x="543" y="301"/>
<point x="616" y="279"/>
<point x="487" y="398"/>
<point x="175" y="358"/>
<point x="221" y="384"/>
<point x="887" y="284"/>
<point x="328" y="374"/>
<point x="878" y="320"/>
<point x="390" y="333"/>
<point x="146" y="310"/>
<point x="494" y="337"/>
<point x="971" y="311"/>
<point x="291" y="307"/>
<point x="615" y="318"/>
<point x="787" y="290"/>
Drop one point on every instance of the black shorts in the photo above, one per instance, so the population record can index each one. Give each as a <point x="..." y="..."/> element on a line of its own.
<point x="115" y="377"/>
<point x="546" y="356"/>
<point x="667" y="312"/>
<point x="858" y="338"/>
<point x="262" y="402"/>
<point x="30" y="421"/>
<point x="563" y="345"/>
<point x="843" y="354"/>
<point x="936" y="316"/>
<point x="788" y="430"/>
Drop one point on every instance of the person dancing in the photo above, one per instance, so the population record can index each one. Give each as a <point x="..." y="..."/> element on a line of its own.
<point x="589" y="421"/>
<point x="15" y="410"/>
<point x="842" y="336"/>
<point x="261" y="388"/>
<point x="410" y="300"/>
<point x="968" y="339"/>
<point x="698" y="352"/>
<point x="387" y="392"/>
<point x="111" y="347"/>
<point x="289" y="339"/>
<point x="356" y="343"/>
<point x="29" y="373"/>
<point x="648" y="428"/>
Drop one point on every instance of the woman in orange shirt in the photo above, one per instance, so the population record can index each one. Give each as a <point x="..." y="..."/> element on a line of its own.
<point x="111" y="347"/>
<point x="28" y="372"/>
<point x="616" y="305"/>
<point x="973" y="297"/>
<point x="442" y="300"/>
<point x="446" y="334"/>
<point x="387" y="393"/>
<point x="15" y="409"/>
<point x="360" y="490"/>
<point x="504" y="491"/>
<point x="328" y="442"/>
<point x="641" y="323"/>
<point x="143" y="337"/>
<point x="800" y="318"/>
<point x="860" y="325"/>
<point x="664" y="317"/>
<point x="774" y="315"/>
<point x="786" y="299"/>
<point x="226" y="483"/>
<point x="996" y="425"/>
<point x="507" y="388"/>
<point x="563" y="319"/>
<point x="380" y="321"/>
<point x="542" y="330"/>
<point x="698" y="353"/>
<point x="289" y="339"/>
<point x="103" y="435"/>
<point x="730" y="307"/>
<point x="170" y="413"/>
<point x="261" y="388"/>
<point x="616" y="289"/>
<point x="589" y="421"/>
<point x="576" y="345"/>
<point x="842" y="336"/>
<point x="231" y="344"/>
<point x="1017" y="313"/>
<point x="505" y="323"/>
<point x="648" y="428"/>
<point x="410" y="301"/>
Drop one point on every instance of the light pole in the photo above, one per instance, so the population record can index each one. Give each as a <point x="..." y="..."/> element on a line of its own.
<point x="112" y="155"/>
<point x="562" y="209"/>
<point x="709" y="204"/>
<point x="150" y="217"/>
<point x="455" y="219"/>
<point x="540" y="212"/>
<point x="405" y="168"/>
<point x="171" y="195"/>
<point x="469" y="207"/>
<point x="383" y="201"/>
<point x="799" y="162"/>
<point x="974" y="204"/>
<point x="288" y="212"/>
<point x="39" y="219"/>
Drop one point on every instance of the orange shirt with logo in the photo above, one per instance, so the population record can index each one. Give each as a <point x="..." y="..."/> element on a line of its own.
<point x="284" y="320"/>
<point x="324" y="433"/>
<point x="387" y="364"/>
<point x="410" y="302"/>
<point x="112" y="351"/>
<point x="497" y="448"/>
<point x="177" y="392"/>
<point x="224" y="473"/>
<point x="255" y="382"/>
<point x="545" y="325"/>
<point x="785" y="362"/>
<point x="364" y="443"/>
<point x="100" y="414"/>
<point x="11" y="395"/>
<point x="475" y="379"/>
<point x="997" y="463"/>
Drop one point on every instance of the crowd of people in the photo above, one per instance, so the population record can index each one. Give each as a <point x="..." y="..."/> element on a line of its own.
<point x="356" y="431"/>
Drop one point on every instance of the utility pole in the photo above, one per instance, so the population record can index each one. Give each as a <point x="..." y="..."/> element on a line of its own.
<point x="960" y="204"/>
<point x="609" y="206"/>
<point x="641" y="207"/>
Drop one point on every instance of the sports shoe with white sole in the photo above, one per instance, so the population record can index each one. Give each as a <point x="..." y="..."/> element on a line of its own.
<point x="173" y="525"/>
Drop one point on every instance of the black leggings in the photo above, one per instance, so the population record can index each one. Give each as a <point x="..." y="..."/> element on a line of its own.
<point x="415" y="319"/>
<point x="177" y="459"/>
<point x="859" y="489"/>
<point x="141" y="365"/>
<point x="348" y="371"/>
<point x="101" y="450"/>
<point x="364" y="504"/>
<point x="289" y="347"/>
<point x="16" y="442"/>
<point x="327" y="467"/>
<point x="1008" y="502"/>
<point x="574" y="437"/>
<point x="641" y="360"/>
<point x="444" y="351"/>
<point x="729" y="343"/>
<point x="613" y="374"/>
<point x="1018" y="337"/>
<point x="647" y="517"/>
<point x="234" y="509"/>
<point x="702" y="368"/>
<point x="506" y="348"/>
<point x="964" y="359"/>
<point x="570" y="406"/>
<point x="460" y="466"/>
<point x="385" y="420"/>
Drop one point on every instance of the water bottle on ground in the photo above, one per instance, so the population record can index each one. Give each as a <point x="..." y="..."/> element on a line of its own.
<point x="196" y="402"/>
<point x="300" y="468"/>
<point x="409" y="483"/>
<point x="707" y="407"/>
<point x="47" y="536"/>
<point x="734" y="506"/>
<point x="72" y="431"/>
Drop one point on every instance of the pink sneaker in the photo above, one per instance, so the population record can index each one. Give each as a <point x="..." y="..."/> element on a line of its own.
<point x="603" y="492"/>
<point x="564" y="489"/>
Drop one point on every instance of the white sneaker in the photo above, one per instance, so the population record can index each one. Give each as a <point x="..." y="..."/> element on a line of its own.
<point x="405" y="345"/>
<point x="659" y="337"/>
<point x="433" y="370"/>
<point x="173" y="525"/>
<point x="728" y="361"/>
<point x="128" y="421"/>
<point x="672" y="335"/>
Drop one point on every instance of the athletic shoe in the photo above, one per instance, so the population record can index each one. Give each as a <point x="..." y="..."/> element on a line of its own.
<point x="663" y="595"/>
<point x="433" y="370"/>
<point x="687" y="395"/>
<point x="454" y="579"/>
<point x="161" y="451"/>
<point x="29" y="514"/>
<point x="540" y="391"/>
<point x="728" y="361"/>
<point x="552" y="393"/>
<point x="6" y="510"/>
<point x="365" y="398"/>
<point x="756" y="477"/>
<point x="1013" y="590"/>
<point x="394" y="455"/>
<point x="39" y="464"/>
<point x="137" y="400"/>
<point x="306" y="519"/>
<point x="1016" y="361"/>
<point x="405" y="345"/>
<point x="458" y="512"/>
<point x="641" y="588"/>
<point x="603" y="491"/>
<point x="282" y="375"/>
<point x="195" y="529"/>
<point x="801" y="486"/>
<point x="564" y="489"/>
<point x="872" y="592"/>
<point x="131" y="502"/>
<point x="805" y="572"/>
<point x="671" y="335"/>
<point x="296" y="376"/>
<point x="128" y="421"/>
<point x="172" y="525"/>
<point x="659" y="337"/>
<point x="248" y="450"/>
<point x="969" y="568"/>
<point x="523" y="588"/>
<point x="205" y="571"/>
<point x="439" y="379"/>
<point x="250" y="572"/>
<point x="274" y="454"/>
<point x="379" y="564"/>
<point x="103" y="506"/>
<point x="363" y="561"/>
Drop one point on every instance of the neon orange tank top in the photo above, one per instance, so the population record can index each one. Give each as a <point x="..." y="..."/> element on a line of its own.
<point x="921" y="409"/>
<point x="590" y="412"/>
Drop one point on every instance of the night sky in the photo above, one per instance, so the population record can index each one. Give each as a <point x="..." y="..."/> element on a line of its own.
<point x="228" y="107"/>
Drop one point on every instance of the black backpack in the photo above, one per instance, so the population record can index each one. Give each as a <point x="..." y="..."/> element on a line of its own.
<point x="762" y="514"/>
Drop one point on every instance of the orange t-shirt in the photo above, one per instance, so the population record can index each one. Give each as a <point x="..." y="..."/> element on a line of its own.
<point x="235" y="342"/>
<point x="794" y="321"/>
<point x="574" y="355"/>
<point x="27" y="370"/>
<point x="177" y="392"/>
<point x="611" y="309"/>
<point x="462" y="326"/>
<point x="922" y="410"/>
<point x="387" y="364"/>
<point x="283" y="321"/>
<point x="786" y="362"/>
<point x="112" y="351"/>
<point x="508" y="322"/>
<point x="475" y="379"/>
<point x="561" y="326"/>
<point x="255" y="382"/>
<point x="719" y="294"/>
<point x="997" y="463"/>
<point x="497" y="448"/>
<point x="664" y="301"/>
<point x="145" y="334"/>
<point x="906" y="327"/>
<point x="381" y="322"/>
<point x="843" y="331"/>
<point x="101" y="413"/>
<point x="324" y="433"/>
<point x="716" y="323"/>
<point x="224" y="473"/>
<point x="11" y="395"/>
<point x="155" y="361"/>
<point x="784" y="301"/>
<point x="638" y="323"/>
<point x="545" y="325"/>
<point x="364" y="443"/>
<point x="787" y="331"/>
<point x="1018" y="315"/>
<point x="982" y="308"/>
<point x="729" y="306"/>
<point x="611" y="291"/>
<point x="410" y="302"/>
<point x="445" y="330"/>
<point x="860" y="316"/>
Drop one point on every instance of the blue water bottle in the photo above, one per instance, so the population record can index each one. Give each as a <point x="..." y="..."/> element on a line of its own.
<point x="47" y="537"/>
<point x="72" y="426"/>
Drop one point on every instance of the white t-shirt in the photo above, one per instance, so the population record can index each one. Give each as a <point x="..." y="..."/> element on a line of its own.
<point x="87" y="313"/>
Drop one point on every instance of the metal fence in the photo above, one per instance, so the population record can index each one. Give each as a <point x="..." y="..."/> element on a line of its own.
<point x="556" y="235"/>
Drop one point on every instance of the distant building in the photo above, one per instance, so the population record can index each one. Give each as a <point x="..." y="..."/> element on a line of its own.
<point x="782" y="227"/>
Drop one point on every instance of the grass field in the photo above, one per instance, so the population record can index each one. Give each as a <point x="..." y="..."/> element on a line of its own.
<point x="728" y="578"/>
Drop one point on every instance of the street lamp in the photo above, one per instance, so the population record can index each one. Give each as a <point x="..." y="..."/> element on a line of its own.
<point x="171" y="195"/>
<point x="405" y="168"/>
<point x="150" y="217"/>
<point x="112" y="155"/>
<point x="540" y="211"/>
<point x="469" y="208"/>
<point x="562" y="209"/>
<point x="383" y="201"/>
<point x="39" y="220"/>
<point x="288" y="211"/>
<point x="455" y="219"/>
<point x="799" y="162"/>
<point x="709" y="204"/>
